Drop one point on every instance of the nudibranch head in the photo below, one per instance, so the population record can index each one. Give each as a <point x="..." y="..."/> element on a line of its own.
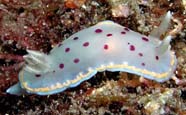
<point x="105" y="46"/>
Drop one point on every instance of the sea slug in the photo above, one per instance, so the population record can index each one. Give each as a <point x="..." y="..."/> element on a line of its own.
<point x="104" y="46"/>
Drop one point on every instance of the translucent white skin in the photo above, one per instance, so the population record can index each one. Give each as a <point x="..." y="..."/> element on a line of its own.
<point x="105" y="46"/>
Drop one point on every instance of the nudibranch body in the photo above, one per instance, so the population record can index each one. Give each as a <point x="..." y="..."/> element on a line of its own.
<point x="104" y="46"/>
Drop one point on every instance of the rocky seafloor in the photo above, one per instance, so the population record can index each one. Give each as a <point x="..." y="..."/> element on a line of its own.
<point x="41" y="24"/>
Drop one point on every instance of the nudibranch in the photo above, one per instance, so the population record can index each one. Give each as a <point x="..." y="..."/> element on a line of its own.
<point x="104" y="46"/>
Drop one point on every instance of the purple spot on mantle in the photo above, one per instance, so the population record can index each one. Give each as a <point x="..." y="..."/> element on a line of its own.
<point x="140" y="54"/>
<point x="126" y="29"/>
<point x="145" y="39"/>
<point x="86" y="44"/>
<point x="157" y="57"/>
<point x="38" y="75"/>
<point x="76" y="60"/>
<point x="123" y="32"/>
<point x="106" y="47"/>
<point x="108" y="35"/>
<point x="75" y="38"/>
<point x="59" y="44"/>
<point x="143" y="64"/>
<point x="132" y="47"/>
<point x="67" y="49"/>
<point x="98" y="30"/>
<point x="61" y="66"/>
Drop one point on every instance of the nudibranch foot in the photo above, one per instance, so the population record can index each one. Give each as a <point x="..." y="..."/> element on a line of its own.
<point x="104" y="46"/>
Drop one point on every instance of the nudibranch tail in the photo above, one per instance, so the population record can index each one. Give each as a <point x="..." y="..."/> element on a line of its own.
<point x="16" y="90"/>
<point x="36" y="62"/>
<point x="157" y="32"/>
